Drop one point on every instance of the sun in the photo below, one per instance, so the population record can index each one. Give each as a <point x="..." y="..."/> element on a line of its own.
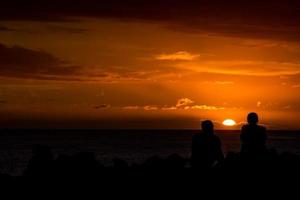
<point x="229" y="122"/>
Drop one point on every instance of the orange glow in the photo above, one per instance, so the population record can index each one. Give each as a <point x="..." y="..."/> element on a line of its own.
<point x="145" y="71"/>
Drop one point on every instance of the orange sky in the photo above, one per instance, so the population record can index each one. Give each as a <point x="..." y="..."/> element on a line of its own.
<point x="114" y="73"/>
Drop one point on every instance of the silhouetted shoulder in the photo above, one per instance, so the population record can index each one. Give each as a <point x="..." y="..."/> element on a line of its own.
<point x="244" y="127"/>
<point x="251" y="127"/>
<point x="262" y="128"/>
<point x="217" y="139"/>
<point x="263" y="131"/>
<point x="244" y="130"/>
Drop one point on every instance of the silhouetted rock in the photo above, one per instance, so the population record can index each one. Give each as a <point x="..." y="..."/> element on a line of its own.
<point x="175" y="161"/>
<point x="154" y="162"/>
<point x="120" y="164"/>
<point x="42" y="162"/>
<point x="85" y="164"/>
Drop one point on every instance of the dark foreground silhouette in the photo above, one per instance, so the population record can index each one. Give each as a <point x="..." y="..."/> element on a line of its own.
<point x="84" y="164"/>
<point x="207" y="157"/>
<point x="43" y="164"/>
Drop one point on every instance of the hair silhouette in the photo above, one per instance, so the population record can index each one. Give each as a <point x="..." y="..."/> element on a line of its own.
<point x="207" y="127"/>
<point x="252" y="118"/>
<point x="253" y="137"/>
<point x="206" y="147"/>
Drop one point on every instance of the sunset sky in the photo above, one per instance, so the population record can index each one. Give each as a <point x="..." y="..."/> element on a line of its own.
<point x="148" y="63"/>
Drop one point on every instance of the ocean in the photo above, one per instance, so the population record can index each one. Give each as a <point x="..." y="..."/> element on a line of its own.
<point x="130" y="145"/>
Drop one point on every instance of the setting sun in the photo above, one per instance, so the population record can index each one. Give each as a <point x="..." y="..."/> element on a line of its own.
<point x="229" y="122"/>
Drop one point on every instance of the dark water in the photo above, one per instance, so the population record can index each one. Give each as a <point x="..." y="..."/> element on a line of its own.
<point x="131" y="145"/>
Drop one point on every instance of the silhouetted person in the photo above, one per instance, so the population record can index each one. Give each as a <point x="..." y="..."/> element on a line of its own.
<point x="253" y="137"/>
<point x="206" y="147"/>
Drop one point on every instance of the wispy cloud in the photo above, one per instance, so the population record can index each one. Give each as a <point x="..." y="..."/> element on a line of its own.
<point x="263" y="19"/>
<point x="145" y="108"/>
<point x="243" y="67"/>
<point x="68" y="30"/>
<point x="6" y="29"/>
<point x="188" y="104"/>
<point x="3" y="102"/>
<point x="184" y="102"/>
<point x="296" y="86"/>
<point x="205" y="107"/>
<point x="178" y="56"/>
<point x="20" y="62"/>
<point x="131" y="107"/>
<point x="151" y="108"/>
<point x="258" y="104"/>
<point x="219" y="82"/>
<point x="102" y="106"/>
<point x="288" y="107"/>
<point x="25" y="63"/>
<point x="167" y="108"/>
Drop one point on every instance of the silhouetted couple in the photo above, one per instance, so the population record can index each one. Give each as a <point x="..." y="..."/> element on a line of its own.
<point x="207" y="147"/>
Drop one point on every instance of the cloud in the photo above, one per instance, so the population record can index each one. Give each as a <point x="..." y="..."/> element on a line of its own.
<point x="146" y="108"/>
<point x="19" y="62"/>
<point x="288" y="107"/>
<point x="188" y="104"/>
<point x="69" y="30"/>
<point x="255" y="19"/>
<point x="25" y="63"/>
<point x="220" y="82"/>
<point x="166" y="108"/>
<point x="102" y="106"/>
<point x="204" y="107"/>
<point x="6" y="29"/>
<point x="184" y="102"/>
<point x="258" y="104"/>
<point x="243" y="67"/>
<point x="178" y="56"/>
<point x="296" y="86"/>
<point x="131" y="108"/>
<point x="151" y="108"/>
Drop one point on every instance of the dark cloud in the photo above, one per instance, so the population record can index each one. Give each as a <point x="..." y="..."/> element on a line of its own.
<point x="68" y="30"/>
<point x="102" y="106"/>
<point x="52" y="28"/>
<point x="6" y="29"/>
<point x="257" y="18"/>
<point x="19" y="62"/>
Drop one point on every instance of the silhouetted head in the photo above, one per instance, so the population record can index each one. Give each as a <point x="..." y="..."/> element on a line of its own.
<point x="252" y="118"/>
<point x="207" y="127"/>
